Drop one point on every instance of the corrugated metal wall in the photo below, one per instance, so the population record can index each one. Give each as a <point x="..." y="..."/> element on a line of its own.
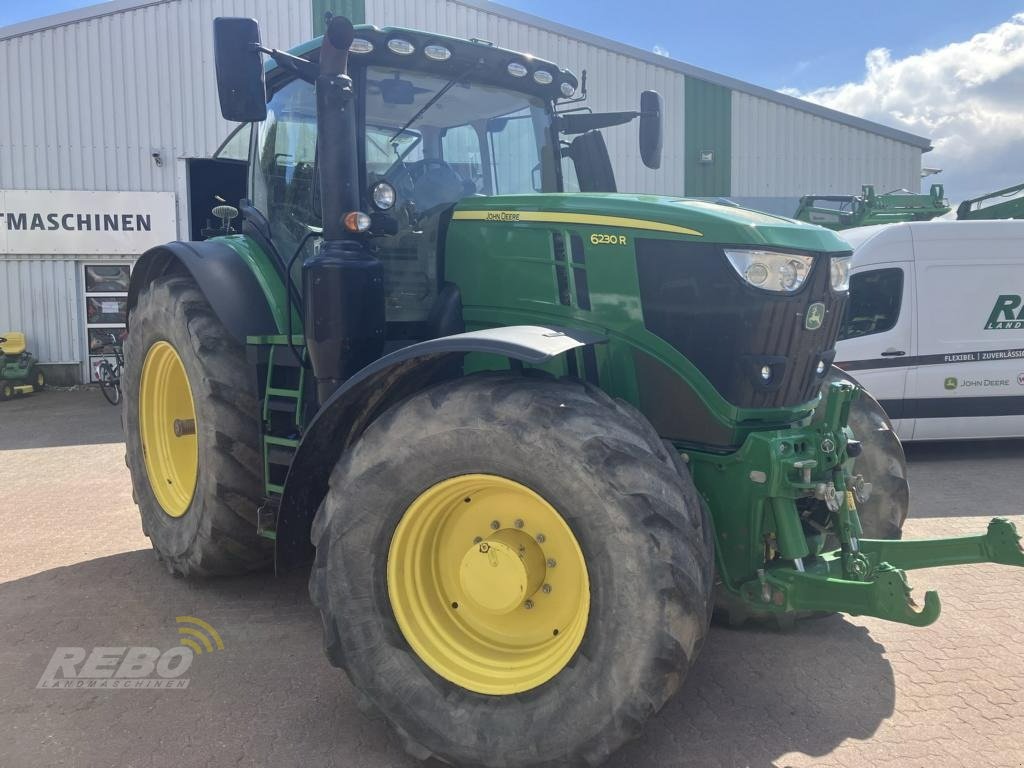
<point x="86" y="106"/>
<point x="614" y="80"/>
<point x="41" y="299"/>
<point x="90" y="102"/>
<point x="780" y="153"/>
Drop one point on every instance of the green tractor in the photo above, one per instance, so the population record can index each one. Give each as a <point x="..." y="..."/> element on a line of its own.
<point x="19" y="369"/>
<point x="529" y="439"/>
<point x="845" y="211"/>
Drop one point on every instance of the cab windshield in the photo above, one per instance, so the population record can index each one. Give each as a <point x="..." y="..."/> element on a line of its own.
<point x="472" y="140"/>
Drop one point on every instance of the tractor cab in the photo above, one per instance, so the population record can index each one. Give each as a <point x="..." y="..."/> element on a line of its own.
<point x="437" y="120"/>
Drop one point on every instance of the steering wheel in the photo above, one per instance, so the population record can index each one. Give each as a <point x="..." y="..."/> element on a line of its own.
<point x="420" y="167"/>
<point x="436" y="183"/>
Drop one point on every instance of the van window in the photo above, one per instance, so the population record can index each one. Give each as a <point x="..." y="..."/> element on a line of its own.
<point x="874" y="304"/>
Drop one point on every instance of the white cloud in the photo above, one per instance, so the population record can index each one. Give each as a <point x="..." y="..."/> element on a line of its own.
<point x="968" y="97"/>
<point x="661" y="51"/>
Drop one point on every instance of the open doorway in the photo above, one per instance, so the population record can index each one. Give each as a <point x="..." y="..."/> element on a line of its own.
<point x="217" y="180"/>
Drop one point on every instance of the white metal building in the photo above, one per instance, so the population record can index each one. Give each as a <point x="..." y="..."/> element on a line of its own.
<point x="116" y="97"/>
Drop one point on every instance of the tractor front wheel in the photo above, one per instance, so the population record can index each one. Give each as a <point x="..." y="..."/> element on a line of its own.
<point x="512" y="572"/>
<point x="192" y="434"/>
<point x="882" y="463"/>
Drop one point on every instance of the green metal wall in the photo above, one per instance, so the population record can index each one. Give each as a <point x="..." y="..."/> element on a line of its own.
<point x="354" y="9"/>
<point x="708" y="126"/>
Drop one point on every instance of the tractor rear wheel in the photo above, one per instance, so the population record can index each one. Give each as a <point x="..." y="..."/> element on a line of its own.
<point x="511" y="571"/>
<point x="38" y="379"/>
<point x="192" y="434"/>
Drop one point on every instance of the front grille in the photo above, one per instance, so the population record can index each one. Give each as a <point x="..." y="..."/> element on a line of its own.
<point x="693" y="299"/>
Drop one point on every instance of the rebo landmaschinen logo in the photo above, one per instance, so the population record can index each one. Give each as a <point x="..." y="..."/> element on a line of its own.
<point x="1002" y="317"/>
<point x="132" y="667"/>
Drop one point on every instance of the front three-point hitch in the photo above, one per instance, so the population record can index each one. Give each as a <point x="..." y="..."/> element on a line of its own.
<point x="801" y="492"/>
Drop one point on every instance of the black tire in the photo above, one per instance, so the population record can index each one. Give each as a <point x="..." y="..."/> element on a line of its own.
<point x="217" y="534"/>
<point x="109" y="384"/>
<point x="882" y="463"/>
<point x="38" y="379"/>
<point x="612" y="480"/>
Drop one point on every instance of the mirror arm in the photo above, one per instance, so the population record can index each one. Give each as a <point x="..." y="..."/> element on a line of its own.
<point x="305" y="69"/>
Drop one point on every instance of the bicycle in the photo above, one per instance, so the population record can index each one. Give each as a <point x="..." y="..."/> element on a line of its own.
<point x="109" y="376"/>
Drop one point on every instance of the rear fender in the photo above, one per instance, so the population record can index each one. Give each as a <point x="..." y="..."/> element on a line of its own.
<point x="374" y="389"/>
<point x="240" y="297"/>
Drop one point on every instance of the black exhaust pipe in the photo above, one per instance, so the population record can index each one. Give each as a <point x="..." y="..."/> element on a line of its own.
<point x="343" y="284"/>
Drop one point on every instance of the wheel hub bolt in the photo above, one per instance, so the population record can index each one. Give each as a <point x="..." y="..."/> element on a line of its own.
<point x="519" y="523"/>
<point x="551" y="562"/>
<point x="184" y="427"/>
<point x="546" y="589"/>
<point x="477" y="539"/>
<point x="485" y="547"/>
<point x="495" y="525"/>
<point x="541" y="538"/>
<point x="528" y="604"/>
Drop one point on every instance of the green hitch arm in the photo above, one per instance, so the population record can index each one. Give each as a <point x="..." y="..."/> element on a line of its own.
<point x="1000" y="544"/>
<point x="887" y="596"/>
<point x="873" y="582"/>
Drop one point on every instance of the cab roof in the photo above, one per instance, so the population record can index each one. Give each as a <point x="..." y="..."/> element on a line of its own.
<point x="480" y="59"/>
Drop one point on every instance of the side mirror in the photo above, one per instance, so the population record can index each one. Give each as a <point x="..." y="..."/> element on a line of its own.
<point x="240" y="82"/>
<point x="650" y="128"/>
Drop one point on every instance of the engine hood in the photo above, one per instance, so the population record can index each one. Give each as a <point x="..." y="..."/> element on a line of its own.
<point x="657" y="216"/>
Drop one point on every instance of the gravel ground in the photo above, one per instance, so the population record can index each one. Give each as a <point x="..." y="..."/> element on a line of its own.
<point x="75" y="570"/>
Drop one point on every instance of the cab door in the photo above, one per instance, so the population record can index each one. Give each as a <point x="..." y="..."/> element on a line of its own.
<point x="877" y="343"/>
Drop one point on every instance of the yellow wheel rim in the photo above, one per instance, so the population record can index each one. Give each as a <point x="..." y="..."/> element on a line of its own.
<point x="167" y="425"/>
<point x="488" y="584"/>
<point x="40" y="379"/>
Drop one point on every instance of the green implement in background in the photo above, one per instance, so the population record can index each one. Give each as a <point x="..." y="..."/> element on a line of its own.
<point x="1010" y="207"/>
<point x="846" y="211"/>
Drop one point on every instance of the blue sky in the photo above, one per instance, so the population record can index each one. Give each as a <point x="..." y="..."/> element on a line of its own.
<point x="780" y="44"/>
<point x="950" y="71"/>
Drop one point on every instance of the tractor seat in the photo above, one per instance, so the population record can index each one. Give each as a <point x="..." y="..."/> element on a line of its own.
<point x="13" y="343"/>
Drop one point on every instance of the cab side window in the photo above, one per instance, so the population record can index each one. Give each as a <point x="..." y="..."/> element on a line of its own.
<point x="283" y="178"/>
<point x="874" y="303"/>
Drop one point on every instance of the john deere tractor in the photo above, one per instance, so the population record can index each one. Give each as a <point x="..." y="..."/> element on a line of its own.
<point x="530" y="438"/>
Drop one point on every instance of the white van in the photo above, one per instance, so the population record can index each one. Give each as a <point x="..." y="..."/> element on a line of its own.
<point x="935" y="326"/>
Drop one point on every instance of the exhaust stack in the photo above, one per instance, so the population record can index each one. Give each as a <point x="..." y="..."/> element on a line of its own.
<point x="343" y="284"/>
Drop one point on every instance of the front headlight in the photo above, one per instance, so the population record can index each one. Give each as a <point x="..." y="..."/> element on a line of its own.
<point x="771" y="270"/>
<point x="840" y="273"/>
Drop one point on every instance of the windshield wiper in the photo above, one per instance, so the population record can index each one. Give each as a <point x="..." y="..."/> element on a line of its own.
<point x="430" y="102"/>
